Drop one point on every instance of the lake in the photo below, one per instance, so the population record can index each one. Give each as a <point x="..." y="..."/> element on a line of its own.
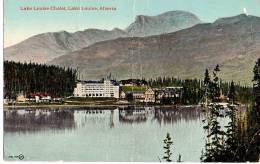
<point x="131" y="134"/>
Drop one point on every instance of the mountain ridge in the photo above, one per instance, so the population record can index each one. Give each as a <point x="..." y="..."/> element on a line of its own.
<point x="177" y="20"/>
<point x="44" y="47"/>
<point x="235" y="45"/>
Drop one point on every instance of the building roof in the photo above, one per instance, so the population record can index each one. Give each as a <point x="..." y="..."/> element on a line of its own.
<point x="149" y="90"/>
<point x="114" y="82"/>
<point x="89" y="81"/>
<point x="133" y="81"/>
<point x="40" y="94"/>
<point x="167" y="88"/>
<point x="174" y="87"/>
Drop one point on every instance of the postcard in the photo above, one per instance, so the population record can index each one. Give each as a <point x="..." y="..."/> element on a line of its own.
<point x="131" y="81"/>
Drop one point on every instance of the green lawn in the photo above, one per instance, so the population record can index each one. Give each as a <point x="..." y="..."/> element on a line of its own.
<point x="133" y="88"/>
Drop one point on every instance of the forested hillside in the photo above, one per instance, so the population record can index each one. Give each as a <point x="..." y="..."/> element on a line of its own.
<point x="193" y="89"/>
<point x="31" y="78"/>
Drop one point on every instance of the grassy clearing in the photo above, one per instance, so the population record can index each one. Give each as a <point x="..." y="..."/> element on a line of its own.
<point x="133" y="88"/>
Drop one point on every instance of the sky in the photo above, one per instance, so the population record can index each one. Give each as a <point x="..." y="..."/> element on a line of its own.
<point x="19" y="24"/>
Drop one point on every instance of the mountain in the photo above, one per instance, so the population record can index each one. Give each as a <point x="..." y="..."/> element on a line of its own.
<point x="164" y="23"/>
<point x="233" y="43"/>
<point x="47" y="46"/>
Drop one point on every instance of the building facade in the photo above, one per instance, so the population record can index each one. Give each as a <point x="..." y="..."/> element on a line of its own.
<point x="149" y="96"/>
<point x="171" y="95"/>
<point x="20" y="98"/>
<point x="107" y="88"/>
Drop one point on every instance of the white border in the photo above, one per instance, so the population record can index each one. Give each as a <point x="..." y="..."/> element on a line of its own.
<point x="1" y="98"/>
<point x="1" y="77"/>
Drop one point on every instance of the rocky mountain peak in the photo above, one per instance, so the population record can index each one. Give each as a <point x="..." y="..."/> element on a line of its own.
<point x="234" y="19"/>
<point x="164" y="23"/>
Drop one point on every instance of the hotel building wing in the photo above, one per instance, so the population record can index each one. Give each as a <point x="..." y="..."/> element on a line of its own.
<point x="106" y="88"/>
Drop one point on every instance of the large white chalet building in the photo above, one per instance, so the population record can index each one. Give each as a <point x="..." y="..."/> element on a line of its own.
<point x="106" y="88"/>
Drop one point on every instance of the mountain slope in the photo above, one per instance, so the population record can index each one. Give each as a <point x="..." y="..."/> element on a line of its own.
<point x="47" y="46"/>
<point x="164" y="23"/>
<point x="233" y="42"/>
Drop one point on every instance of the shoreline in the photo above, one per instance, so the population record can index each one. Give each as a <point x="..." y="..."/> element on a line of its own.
<point x="109" y="106"/>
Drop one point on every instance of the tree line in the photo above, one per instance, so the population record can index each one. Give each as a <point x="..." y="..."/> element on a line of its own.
<point x="193" y="89"/>
<point x="31" y="78"/>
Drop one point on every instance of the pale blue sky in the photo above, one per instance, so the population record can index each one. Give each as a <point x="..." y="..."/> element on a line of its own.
<point x="19" y="25"/>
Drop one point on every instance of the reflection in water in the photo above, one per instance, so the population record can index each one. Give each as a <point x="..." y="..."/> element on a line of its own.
<point x="162" y="115"/>
<point x="133" y="115"/>
<point x="112" y="124"/>
<point x="123" y="134"/>
<point x="176" y="115"/>
<point x="32" y="120"/>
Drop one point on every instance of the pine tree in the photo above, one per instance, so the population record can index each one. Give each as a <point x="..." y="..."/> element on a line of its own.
<point x="215" y="88"/>
<point x="231" y="141"/>
<point x="256" y="80"/>
<point x="214" y="144"/>
<point x="179" y="158"/>
<point x="206" y="82"/>
<point x="206" y="78"/>
<point x="256" y="71"/>
<point x="232" y="93"/>
<point x="168" y="142"/>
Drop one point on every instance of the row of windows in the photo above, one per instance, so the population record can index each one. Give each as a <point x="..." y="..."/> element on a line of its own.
<point x="94" y="95"/>
<point x="98" y="88"/>
<point x="98" y="95"/>
<point x="93" y="89"/>
<point x="107" y="91"/>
